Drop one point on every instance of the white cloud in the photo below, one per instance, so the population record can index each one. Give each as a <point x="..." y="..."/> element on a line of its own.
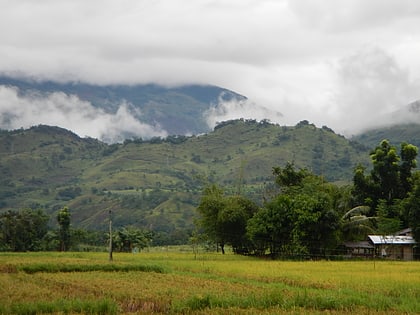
<point x="370" y="85"/>
<point x="286" y="56"/>
<point x="233" y="109"/>
<point x="350" y="15"/>
<point x="68" y="111"/>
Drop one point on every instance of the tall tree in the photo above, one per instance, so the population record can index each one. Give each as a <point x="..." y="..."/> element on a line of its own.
<point x="390" y="178"/>
<point x="212" y="203"/>
<point x="412" y="208"/>
<point x="63" y="219"/>
<point x="408" y="163"/>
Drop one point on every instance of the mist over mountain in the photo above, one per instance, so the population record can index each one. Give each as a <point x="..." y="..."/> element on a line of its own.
<point x="113" y="113"/>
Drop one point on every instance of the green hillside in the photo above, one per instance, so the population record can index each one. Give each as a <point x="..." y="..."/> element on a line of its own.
<point x="395" y="134"/>
<point x="157" y="183"/>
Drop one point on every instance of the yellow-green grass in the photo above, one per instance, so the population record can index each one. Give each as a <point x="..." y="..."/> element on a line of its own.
<point x="203" y="283"/>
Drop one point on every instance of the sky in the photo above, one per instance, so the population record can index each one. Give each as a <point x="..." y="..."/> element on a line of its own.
<point x="348" y="64"/>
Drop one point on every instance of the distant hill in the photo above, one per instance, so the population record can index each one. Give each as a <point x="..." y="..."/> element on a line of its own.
<point x="157" y="183"/>
<point x="395" y="134"/>
<point x="177" y="110"/>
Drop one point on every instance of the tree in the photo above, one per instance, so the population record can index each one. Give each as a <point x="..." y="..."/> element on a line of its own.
<point x="390" y="178"/>
<point x="316" y="223"/>
<point x="232" y="222"/>
<point x="211" y="204"/>
<point x="224" y="218"/>
<point x="412" y="208"/>
<point x="385" y="173"/>
<point x="288" y="176"/>
<point x="128" y="238"/>
<point x="408" y="157"/>
<point x="23" y="230"/>
<point x="356" y="224"/>
<point x="271" y="227"/>
<point x="300" y="220"/>
<point x="63" y="219"/>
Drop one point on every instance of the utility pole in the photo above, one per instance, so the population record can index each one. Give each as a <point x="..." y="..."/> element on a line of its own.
<point x="110" y="235"/>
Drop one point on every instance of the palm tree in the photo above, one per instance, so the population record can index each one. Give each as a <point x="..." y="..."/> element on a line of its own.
<point x="355" y="224"/>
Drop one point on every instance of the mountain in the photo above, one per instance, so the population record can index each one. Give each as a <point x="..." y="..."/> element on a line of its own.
<point x="157" y="183"/>
<point x="396" y="134"/>
<point x="177" y="110"/>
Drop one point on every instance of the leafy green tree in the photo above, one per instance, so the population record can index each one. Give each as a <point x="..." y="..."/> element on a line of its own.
<point x="409" y="154"/>
<point x="288" y="176"/>
<point x="23" y="230"/>
<point x="63" y="219"/>
<point x="232" y="221"/>
<point x="412" y="208"/>
<point x="363" y="190"/>
<point x="316" y="223"/>
<point x="82" y="239"/>
<point x="224" y="218"/>
<point x="390" y="178"/>
<point x="211" y="204"/>
<point x="385" y="173"/>
<point x="300" y="220"/>
<point x="271" y="227"/>
<point x="388" y="217"/>
<point x="128" y="238"/>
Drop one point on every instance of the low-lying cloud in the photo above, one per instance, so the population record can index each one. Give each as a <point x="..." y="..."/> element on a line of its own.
<point x="68" y="111"/>
<point x="370" y="87"/>
<point x="235" y="109"/>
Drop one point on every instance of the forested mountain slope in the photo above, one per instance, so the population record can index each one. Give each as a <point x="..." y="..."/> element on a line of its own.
<point x="157" y="183"/>
<point x="396" y="134"/>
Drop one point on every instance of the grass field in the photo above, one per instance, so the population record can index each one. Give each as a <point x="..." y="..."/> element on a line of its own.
<point x="168" y="282"/>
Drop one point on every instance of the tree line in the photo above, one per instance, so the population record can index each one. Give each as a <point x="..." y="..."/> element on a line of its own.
<point x="30" y="230"/>
<point x="309" y="216"/>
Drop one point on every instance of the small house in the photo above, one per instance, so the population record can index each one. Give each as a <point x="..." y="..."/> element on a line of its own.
<point x="399" y="246"/>
<point x="393" y="246"/>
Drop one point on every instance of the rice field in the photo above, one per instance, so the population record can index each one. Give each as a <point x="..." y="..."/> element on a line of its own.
<point x="170" y="282"/>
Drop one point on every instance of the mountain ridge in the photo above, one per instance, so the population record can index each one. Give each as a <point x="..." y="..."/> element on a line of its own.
<point x="157" y="183"/>
<point x="177" y="110"/>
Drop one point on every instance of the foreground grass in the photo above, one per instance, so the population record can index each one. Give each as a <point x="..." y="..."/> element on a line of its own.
<point x="174" y="282"/>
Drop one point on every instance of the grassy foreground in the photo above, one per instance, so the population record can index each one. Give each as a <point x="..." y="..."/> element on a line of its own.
<point x="162" y="282"/>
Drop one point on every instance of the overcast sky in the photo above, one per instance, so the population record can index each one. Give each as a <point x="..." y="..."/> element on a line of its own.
<point x="347" y="64"/>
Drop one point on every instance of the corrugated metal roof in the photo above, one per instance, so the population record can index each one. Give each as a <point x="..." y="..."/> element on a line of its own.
<point x="362" y="244"/>
<point x="392" y="239"/>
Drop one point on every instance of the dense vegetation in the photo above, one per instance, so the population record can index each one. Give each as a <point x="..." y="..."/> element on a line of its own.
<point x="311" y="217"/>
<point x="157" y="184"/>
<point x="152" y="187"/>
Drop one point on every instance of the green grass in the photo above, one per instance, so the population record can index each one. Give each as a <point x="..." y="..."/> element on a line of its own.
<point x="102" y="307"/>
<point x="54" y="268"/>
<point x="207" y="283"/>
